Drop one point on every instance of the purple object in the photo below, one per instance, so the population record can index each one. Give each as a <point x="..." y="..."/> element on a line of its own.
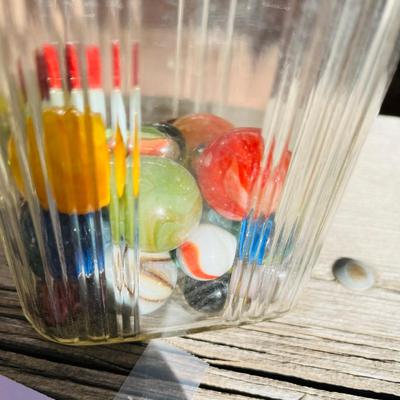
<point x="10" y="390"/>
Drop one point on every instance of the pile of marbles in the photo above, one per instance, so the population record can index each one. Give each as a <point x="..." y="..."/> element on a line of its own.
<point x="185" y="243"/>
<point x="193" y="209"/>
<point x="197" y="174"/>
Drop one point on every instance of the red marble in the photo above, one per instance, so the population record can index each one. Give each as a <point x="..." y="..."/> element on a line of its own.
<point x="227" y="170"/>
<point x="272" y="182"/>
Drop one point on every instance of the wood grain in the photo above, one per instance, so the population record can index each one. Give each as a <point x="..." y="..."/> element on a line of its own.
<point x="336" y="344"/>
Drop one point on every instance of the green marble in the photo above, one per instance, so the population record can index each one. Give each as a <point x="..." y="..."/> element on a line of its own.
<point x="151" y="132"/>
<point x="170" y="204"/>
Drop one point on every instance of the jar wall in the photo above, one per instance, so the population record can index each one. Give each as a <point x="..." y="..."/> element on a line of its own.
<point x="169" y="166"/>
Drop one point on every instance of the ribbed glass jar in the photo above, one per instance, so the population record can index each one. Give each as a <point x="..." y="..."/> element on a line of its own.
<point x="170" y="166"/>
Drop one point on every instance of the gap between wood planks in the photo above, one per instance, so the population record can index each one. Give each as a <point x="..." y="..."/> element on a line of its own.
<point x="307" y="383"/>
<point x="238" y="392"/>
<point x="290" y="379"/>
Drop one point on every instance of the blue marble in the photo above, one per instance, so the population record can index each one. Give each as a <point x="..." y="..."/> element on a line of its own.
<point x="83" y="237"/>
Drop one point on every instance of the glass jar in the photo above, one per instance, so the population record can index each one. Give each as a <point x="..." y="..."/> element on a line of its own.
<point x="170" y="166"/>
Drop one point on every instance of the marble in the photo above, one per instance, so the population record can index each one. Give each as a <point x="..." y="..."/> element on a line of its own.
<point x="212" y="217"/>
<point x="208" y="252"/>
<point x="227" y="170"/>
<point x="158" y="277"/>
<point x="162" y="140"/>
<point x="354" y="274"/>
<point x="202" y="128"/>
<point x="273" y="181"/>
<point x="174" y="133"/>
<point x="170" y="204"/>
<point x="206" y="296"/>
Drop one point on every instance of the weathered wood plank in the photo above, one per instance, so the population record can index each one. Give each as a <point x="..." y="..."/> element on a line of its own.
<point x="309" y="367"/>
<point x="266" y="387"/>
<point x="366" y="225"/>
<point x="119" y="359"/>
<point x="267" y="346"/>
<point x="21" y="367"/>
<point x="270" y="346"/>
<point x="354" y="339"/>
